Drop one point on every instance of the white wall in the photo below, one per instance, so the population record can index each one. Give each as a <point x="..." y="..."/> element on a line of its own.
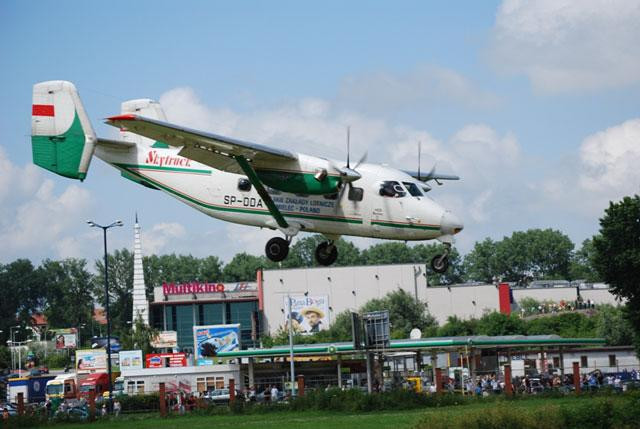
<point x="462" y="301"/>
<point x="339" y="283"/>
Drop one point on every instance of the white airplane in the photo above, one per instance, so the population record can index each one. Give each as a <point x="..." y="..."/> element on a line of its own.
<point x="241" y="182"/>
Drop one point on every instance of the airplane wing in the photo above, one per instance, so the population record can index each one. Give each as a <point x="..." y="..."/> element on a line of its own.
<point x="210" y="149"/>
<point x="425" y="177"/>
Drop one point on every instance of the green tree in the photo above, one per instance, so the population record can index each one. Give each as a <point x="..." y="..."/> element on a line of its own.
<point x="120" y="287"/>
<point x="612" y="325"/>
<point x="617" y="256"/>
<point x="68" y="287"/>
<point x="534" y="254"/>
<point x="496" y="323"/>
<point x="481" y="263"/>
<point x="139" y="338"/>
<point x="568" y="325"/>
<point x="23" y="293"/>
<point x="243" y="267"/>
<point x="457" y="327"/>
<point x="529" y="305"/>
<point x="405" y="313"/>
<point x="390" y="252"/>
<point x="582" y="263"/>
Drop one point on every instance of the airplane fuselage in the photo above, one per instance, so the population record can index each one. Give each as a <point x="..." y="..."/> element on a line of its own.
<point x="220" y="195"/>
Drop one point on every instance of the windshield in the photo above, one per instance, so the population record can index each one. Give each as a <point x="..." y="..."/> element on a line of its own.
<point x="119" y="385"/>
<point x="87" y="387"/>
<point x="413" y="189"/>
<point x="392" y="189"/>
<point x="54" y="389"/>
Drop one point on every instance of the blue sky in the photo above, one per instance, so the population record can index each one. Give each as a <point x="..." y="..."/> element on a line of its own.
<point x="534" y="104"/>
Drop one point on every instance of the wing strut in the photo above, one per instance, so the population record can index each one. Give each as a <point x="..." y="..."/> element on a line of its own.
<point x="255" y="181"/>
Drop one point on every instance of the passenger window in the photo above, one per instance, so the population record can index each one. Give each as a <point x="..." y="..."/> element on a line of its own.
<point x="413" y="189"/>
<point x="355" y="194"/>
<point x="244" y="185"/>
<point x="392" y="189"/>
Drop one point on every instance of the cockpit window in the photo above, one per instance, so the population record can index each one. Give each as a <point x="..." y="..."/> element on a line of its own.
<point x="392" y="189"/>
<point x="413" y="189"/>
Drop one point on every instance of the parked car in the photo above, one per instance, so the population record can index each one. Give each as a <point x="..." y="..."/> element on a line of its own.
<point x="13" y="411"/>
<point x="218" y="396"/>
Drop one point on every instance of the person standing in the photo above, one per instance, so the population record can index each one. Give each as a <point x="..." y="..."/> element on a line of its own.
<point x="274" y="394"/>
<point x="117" y="407"/>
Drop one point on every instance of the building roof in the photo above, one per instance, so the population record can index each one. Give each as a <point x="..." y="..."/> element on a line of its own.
<point x="423" y="344"/>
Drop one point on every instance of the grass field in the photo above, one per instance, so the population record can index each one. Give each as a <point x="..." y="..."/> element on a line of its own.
<point x="322" y="419"/>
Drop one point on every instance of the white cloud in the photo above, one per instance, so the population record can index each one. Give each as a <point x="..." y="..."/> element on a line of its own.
<point x="162" y="238"/>
<point x="423" y="85"/>
<point x="611" y="161"/>
<point x="565" y="45"/>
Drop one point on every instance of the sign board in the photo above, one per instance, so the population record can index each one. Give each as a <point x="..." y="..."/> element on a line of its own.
<point x="66" y="338"/>
<point x="198" y="288"/>
<point x="165" y="340"/>
<point x="310" y="313"/>
<point x="164" y="360"/>
<point x="130" y="359"/>
<point x="213" y="339"/>
<point x="91" y="360"/>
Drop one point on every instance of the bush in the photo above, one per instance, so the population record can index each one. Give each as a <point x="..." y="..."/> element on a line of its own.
<point x="57" y="360"/>
<point x="136" y="403"/>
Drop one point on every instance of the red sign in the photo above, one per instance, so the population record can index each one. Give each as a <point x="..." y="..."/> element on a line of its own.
<point x="164" y="360"/>
<point x="189" y="288"/>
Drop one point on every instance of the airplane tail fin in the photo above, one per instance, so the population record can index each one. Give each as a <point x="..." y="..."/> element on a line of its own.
<point x="149" y="109"/>
<point x="62" y="138"/>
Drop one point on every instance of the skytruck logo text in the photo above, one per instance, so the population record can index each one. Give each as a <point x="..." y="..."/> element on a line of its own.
<point x="154" y="158"/>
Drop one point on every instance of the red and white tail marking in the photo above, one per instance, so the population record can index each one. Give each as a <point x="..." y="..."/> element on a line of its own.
<point x="43" y="110"/>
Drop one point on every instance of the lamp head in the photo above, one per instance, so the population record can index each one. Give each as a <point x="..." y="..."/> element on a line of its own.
<point x="91" y="223"/>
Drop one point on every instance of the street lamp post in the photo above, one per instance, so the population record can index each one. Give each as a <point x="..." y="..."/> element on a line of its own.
<point x="106" y="296"/>
<point x="293" y="368"/>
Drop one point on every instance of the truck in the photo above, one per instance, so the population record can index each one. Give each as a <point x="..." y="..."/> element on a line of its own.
<point x="33" y="388"/>
<point x="63" y="386"/>
<point x="97" y="382"/>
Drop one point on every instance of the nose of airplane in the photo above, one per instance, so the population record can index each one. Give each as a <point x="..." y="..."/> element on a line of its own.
<point x="450" y="223"/>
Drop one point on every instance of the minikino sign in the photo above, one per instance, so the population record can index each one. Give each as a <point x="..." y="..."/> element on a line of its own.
<point x="197" y="287"/>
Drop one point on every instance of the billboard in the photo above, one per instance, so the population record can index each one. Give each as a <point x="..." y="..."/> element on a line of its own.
<point x="165" y="360"/>
<point x="165" y="340"/>
<point x="212" y="339"/>
<point x="130" y="359"/>
<point x="66" y="339"/>
<point x="91" y="360"/>
<point x="310" y="313"/>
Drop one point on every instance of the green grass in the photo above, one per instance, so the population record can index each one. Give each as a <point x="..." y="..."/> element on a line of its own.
<point x="419" y="418"/>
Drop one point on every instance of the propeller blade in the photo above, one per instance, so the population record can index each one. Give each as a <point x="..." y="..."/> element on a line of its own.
<point x="431" y="172"/>
<point x="340" y="194"/>
<point x="348" y="144"/>
<point x="362" y="159"/>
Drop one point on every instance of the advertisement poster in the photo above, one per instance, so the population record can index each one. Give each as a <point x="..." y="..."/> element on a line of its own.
<point x="66" y="339"/>
<point x="213" y="339"/>
<point x="310" y="313"/>
<point x="165" y="340"/>
<point x="91" y="360"/>
<point x="166" y="360"/>
<point x="130" y="359"/>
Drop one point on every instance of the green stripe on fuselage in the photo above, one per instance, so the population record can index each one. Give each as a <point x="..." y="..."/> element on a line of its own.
<point x="405" y="225"/>
<point x="156" y="167"/>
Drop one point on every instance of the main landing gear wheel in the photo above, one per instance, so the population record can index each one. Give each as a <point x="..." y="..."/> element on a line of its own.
<point x="326" y="253"/>
<point x="277" y="249"/>
<point x="440" y="263"/>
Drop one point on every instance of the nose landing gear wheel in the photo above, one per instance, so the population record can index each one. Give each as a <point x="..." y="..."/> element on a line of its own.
<point x="277" y="249"/>
<point x="326" y="253"/>
<point x="440" y="263"/>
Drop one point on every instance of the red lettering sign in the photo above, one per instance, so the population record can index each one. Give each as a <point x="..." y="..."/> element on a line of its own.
<point x="191" y="288"/>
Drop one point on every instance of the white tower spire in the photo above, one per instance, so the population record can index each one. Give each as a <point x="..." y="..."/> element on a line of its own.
<point x="140" y="303"/>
